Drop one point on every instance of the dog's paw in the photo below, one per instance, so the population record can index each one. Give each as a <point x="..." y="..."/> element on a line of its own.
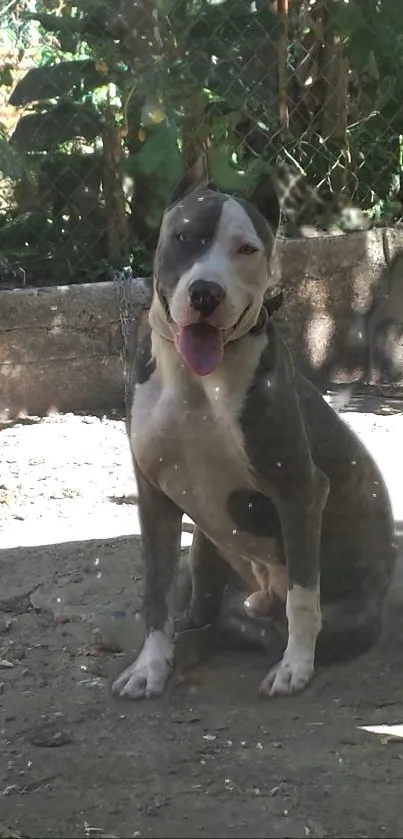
<point x="149" y="673"/>
<point x="287" y="677"/>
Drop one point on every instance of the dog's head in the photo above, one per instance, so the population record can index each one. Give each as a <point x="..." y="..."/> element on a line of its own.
<point x="211" y="269"/>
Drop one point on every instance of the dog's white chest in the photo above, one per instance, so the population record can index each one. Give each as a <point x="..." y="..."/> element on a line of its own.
<point x="191" y="446"/>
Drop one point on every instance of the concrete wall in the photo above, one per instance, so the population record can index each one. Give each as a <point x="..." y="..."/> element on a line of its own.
<point x="60" y="347"/>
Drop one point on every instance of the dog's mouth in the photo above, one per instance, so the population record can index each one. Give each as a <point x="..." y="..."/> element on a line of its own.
<point x="201" y="347"/>
<point x="201" y="344"/>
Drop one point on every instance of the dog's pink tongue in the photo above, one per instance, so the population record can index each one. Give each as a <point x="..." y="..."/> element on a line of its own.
<point x="200" y="345"/>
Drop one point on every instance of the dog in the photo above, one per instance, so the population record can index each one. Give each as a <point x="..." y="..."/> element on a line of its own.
<point x="284" y="497"/>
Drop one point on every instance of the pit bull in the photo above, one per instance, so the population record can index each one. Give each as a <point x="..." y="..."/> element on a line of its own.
<point x="284" y="497"/>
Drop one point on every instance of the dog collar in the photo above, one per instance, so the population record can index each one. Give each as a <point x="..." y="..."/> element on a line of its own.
<point x="261" y="322"/>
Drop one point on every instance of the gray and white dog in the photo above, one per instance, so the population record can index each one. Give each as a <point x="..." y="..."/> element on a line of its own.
<point x="224" y="429"/>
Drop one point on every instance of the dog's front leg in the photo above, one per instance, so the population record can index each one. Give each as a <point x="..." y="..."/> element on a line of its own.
<point x="301" y="522"/>
<point x="161" y="522"/>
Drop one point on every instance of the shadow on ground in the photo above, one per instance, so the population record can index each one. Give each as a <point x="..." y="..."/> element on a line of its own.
<point x="210" y="758"/>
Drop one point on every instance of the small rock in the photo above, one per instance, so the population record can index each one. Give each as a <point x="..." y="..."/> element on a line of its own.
<point x="48" y="735"/>
<point x="10" y="790"/>
<point x="19" y="604"/>
<point x="96" y="682"/>
<point x="5" y="625"/>
<point x="96" y="669"/>
<point x="18" y="653"/>
<point x="7" y="833"/>
<point x="48" y="602"/>
<point x="105" y="644"/>
<point x="61" y="618"/>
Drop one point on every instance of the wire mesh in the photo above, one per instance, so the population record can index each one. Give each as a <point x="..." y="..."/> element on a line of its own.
<point x="104" y="103"/>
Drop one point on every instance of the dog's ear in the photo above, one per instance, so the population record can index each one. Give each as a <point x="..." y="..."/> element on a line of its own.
<point x="264" y="197"/>
<point x="193" y="179"/>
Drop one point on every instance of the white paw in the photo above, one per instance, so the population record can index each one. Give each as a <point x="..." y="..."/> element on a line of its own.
<point x="287" y="677"/>
<point x="148" y="675"/>
<point x="296" y="668"/>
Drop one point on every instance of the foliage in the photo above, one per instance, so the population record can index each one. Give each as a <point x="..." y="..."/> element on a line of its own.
<point x="235" y="78"/>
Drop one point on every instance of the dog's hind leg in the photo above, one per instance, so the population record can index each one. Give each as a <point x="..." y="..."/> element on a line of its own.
<point x="349" y="628"/>
<point x="210" y="572"/>
<point x="243" y="628"/>
<point x="208" y="575"/>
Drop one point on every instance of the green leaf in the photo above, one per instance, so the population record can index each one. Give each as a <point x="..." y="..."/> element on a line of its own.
<point x="224" y="172"/>
<point x="348" y="18"/>
<point x="155" y="149"/>
<point x="151" y="155"/>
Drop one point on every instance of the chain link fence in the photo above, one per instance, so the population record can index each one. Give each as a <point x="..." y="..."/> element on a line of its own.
<point x="103" y="103"/>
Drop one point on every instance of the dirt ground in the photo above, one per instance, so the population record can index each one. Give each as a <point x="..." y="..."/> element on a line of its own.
<point x="209" y="759"/>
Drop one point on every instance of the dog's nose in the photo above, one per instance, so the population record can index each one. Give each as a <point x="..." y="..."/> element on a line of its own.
<point x="205" y="296"/>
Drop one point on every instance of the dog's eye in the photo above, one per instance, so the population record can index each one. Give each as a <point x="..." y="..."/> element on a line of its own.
<point x="182" y="236"/>
<point x="246" y="249"/>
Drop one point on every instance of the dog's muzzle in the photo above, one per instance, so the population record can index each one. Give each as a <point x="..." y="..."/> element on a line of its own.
<point x="205" y="297"/>
<point x="200" y="343"/>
